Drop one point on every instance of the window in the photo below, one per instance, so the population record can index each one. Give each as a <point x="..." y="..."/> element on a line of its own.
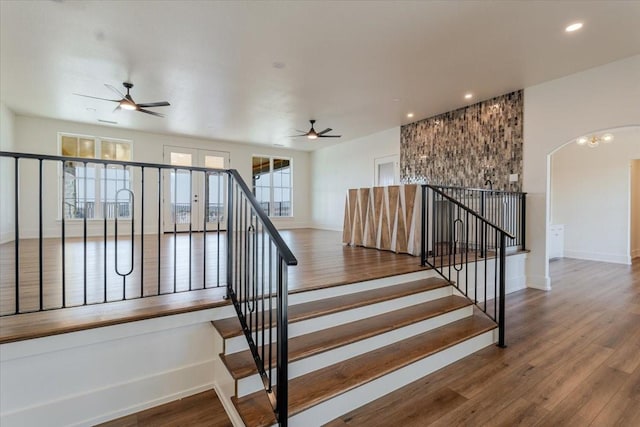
<point x="92" y="191"/>
<point x="272" y="184"/>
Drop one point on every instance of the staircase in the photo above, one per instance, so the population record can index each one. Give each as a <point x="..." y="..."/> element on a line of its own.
<point x="351" y="344"/>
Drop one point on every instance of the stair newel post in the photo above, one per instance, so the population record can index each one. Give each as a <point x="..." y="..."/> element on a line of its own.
<point x="501" y="314"/>
<point x="423" y="229"/>
<point x="523" y="220"/>
<point x="283" y="347"/>
<point x="230" y="179"/>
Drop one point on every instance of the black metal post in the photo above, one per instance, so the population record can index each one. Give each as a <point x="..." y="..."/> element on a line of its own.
<point x="501" y="321"/>
<point x="423" y="229"/>
<point x="283" y="345"/>
<point x="523" y="220"/>
<point x="229" y="234"/>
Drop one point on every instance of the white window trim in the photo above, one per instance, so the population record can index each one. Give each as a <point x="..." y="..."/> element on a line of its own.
<point x="98" y="154"/>
<point x="271" y="157"/>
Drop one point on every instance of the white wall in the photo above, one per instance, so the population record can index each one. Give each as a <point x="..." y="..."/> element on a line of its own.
<point x="635" y="208"/>
<point x="339" y="167"/>
<point x="7" y="119"/>
<point x="87" y="377"/>
<point x="39" y="135"/>
<point x="590" y="195"/>
<point x="556" y="112"/>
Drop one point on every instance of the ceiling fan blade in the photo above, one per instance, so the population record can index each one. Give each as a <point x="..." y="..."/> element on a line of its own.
<point x="116" y="109"/>
<point x="154" y="104"/>
<point x="95" y="97"/>
<point x="114" y="90"/>
<point x="324" y="131"/>
<point x="294" y="136"/>
<point x="329" y="136"/>
<point x="153" y="113"/>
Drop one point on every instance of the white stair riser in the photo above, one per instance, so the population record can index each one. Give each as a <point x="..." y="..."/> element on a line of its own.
<point x="253" y="383"/>
<point x="339" y="405"/>
<point x="336" y="291"/>
<point x="239" y="343"/>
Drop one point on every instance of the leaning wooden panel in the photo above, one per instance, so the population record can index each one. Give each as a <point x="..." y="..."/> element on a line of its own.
<point x="371" y="223"/>
<point x="385" y="231"/>
<point x="378" y="196"/>
<point x="347" y="229"/>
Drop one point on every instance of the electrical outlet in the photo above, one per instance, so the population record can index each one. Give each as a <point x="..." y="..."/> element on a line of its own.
<point x="513" y="177"/>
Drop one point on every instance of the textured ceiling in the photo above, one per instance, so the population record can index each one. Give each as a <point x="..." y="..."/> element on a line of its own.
<point x="358" y="67"/>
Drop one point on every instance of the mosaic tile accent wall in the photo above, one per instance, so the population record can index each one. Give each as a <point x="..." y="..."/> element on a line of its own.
<point x="465" y="147"/>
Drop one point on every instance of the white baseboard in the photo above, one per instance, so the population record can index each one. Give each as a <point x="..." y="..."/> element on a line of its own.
<point x="7" y="236"/>
<point x="598" y="256"/>
<point x="103" y="404"/>
<point x="539" y="282"/>
<point x="327" y="227"/>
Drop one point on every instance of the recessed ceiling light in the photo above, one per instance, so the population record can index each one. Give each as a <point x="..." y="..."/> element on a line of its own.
<point x="468" y="95"/>
<point x="111" y="122"/>
<point x="396" y="99"/>
<point x="278" y="145"/>
<point x="582" y="140"/>
<point x="410" y="115"/>
<point x="573" y="27"/>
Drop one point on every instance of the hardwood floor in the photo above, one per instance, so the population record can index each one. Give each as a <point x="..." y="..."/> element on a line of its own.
<point x="202" y="409"/>
<point x="573" y="359"/>
<point x="322" y="262"/>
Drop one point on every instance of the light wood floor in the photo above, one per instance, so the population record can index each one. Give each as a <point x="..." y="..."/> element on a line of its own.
<point x="322" y="262"/>
<point x="202" y="409"/>
<point x="573" y="359"/>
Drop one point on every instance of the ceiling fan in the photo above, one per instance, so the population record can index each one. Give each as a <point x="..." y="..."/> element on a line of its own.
<point x="312" y="134"/>
<point x="126" y="102"/>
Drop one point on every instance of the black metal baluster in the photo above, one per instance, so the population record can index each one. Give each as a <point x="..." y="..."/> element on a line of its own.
<point x="104" y="237"/>
<point x="190" y="221"/>
<point x="84" y="234"/>
<point x="207" y="212"/>
<point x="62" y="237"/>
<point x="160" y="171"/>
<point x="141" y="232"/>
<point x="283" y="348"/>
<point x="40" y="238"/>
<point x="175" y="227"/>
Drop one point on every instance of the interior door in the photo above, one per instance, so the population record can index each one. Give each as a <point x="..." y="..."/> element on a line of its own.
<point x="191" y="197"/>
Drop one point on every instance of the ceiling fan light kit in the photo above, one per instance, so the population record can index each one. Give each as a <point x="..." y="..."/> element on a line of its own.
<point x="126" y="102"/>
<point x="312" y="134"/>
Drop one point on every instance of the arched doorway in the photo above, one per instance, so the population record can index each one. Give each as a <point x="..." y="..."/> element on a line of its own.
<point x="594" y="197"/>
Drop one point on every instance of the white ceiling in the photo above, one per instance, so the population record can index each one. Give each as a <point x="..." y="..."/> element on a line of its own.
<point x="358" y="67"/>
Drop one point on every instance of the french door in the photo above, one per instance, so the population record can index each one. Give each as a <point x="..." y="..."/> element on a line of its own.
<point x="194" y="199"/>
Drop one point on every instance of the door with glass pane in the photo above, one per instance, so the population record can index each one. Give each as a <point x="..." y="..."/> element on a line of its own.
<point x="194" y="199"/>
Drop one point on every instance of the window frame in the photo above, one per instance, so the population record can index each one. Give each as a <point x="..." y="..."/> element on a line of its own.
<point x="271" y="186"/>
<point x="99" y="178"/>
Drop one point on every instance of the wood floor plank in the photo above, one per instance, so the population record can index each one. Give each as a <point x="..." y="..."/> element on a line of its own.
<point x="315" y="387"/>
<point x="558" y="346"/>
<point x="202" y="409"/>
<point x="231" y="327"/>
<point x="322" y="262"/>
<point x="241" y="364"/>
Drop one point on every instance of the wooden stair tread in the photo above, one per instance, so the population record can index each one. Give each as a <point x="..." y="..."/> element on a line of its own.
<point x="230" y="327"/>
<point x="241" y="364"/>
<point x="317" y="386"/>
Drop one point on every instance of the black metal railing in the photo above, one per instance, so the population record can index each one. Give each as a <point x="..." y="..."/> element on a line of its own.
<point x="146" y="243"/>
<point x="257" y="278"/>
<point x="466" y="249"/>
<point x="93" y="248"/>
<point x="506" y="209"/>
